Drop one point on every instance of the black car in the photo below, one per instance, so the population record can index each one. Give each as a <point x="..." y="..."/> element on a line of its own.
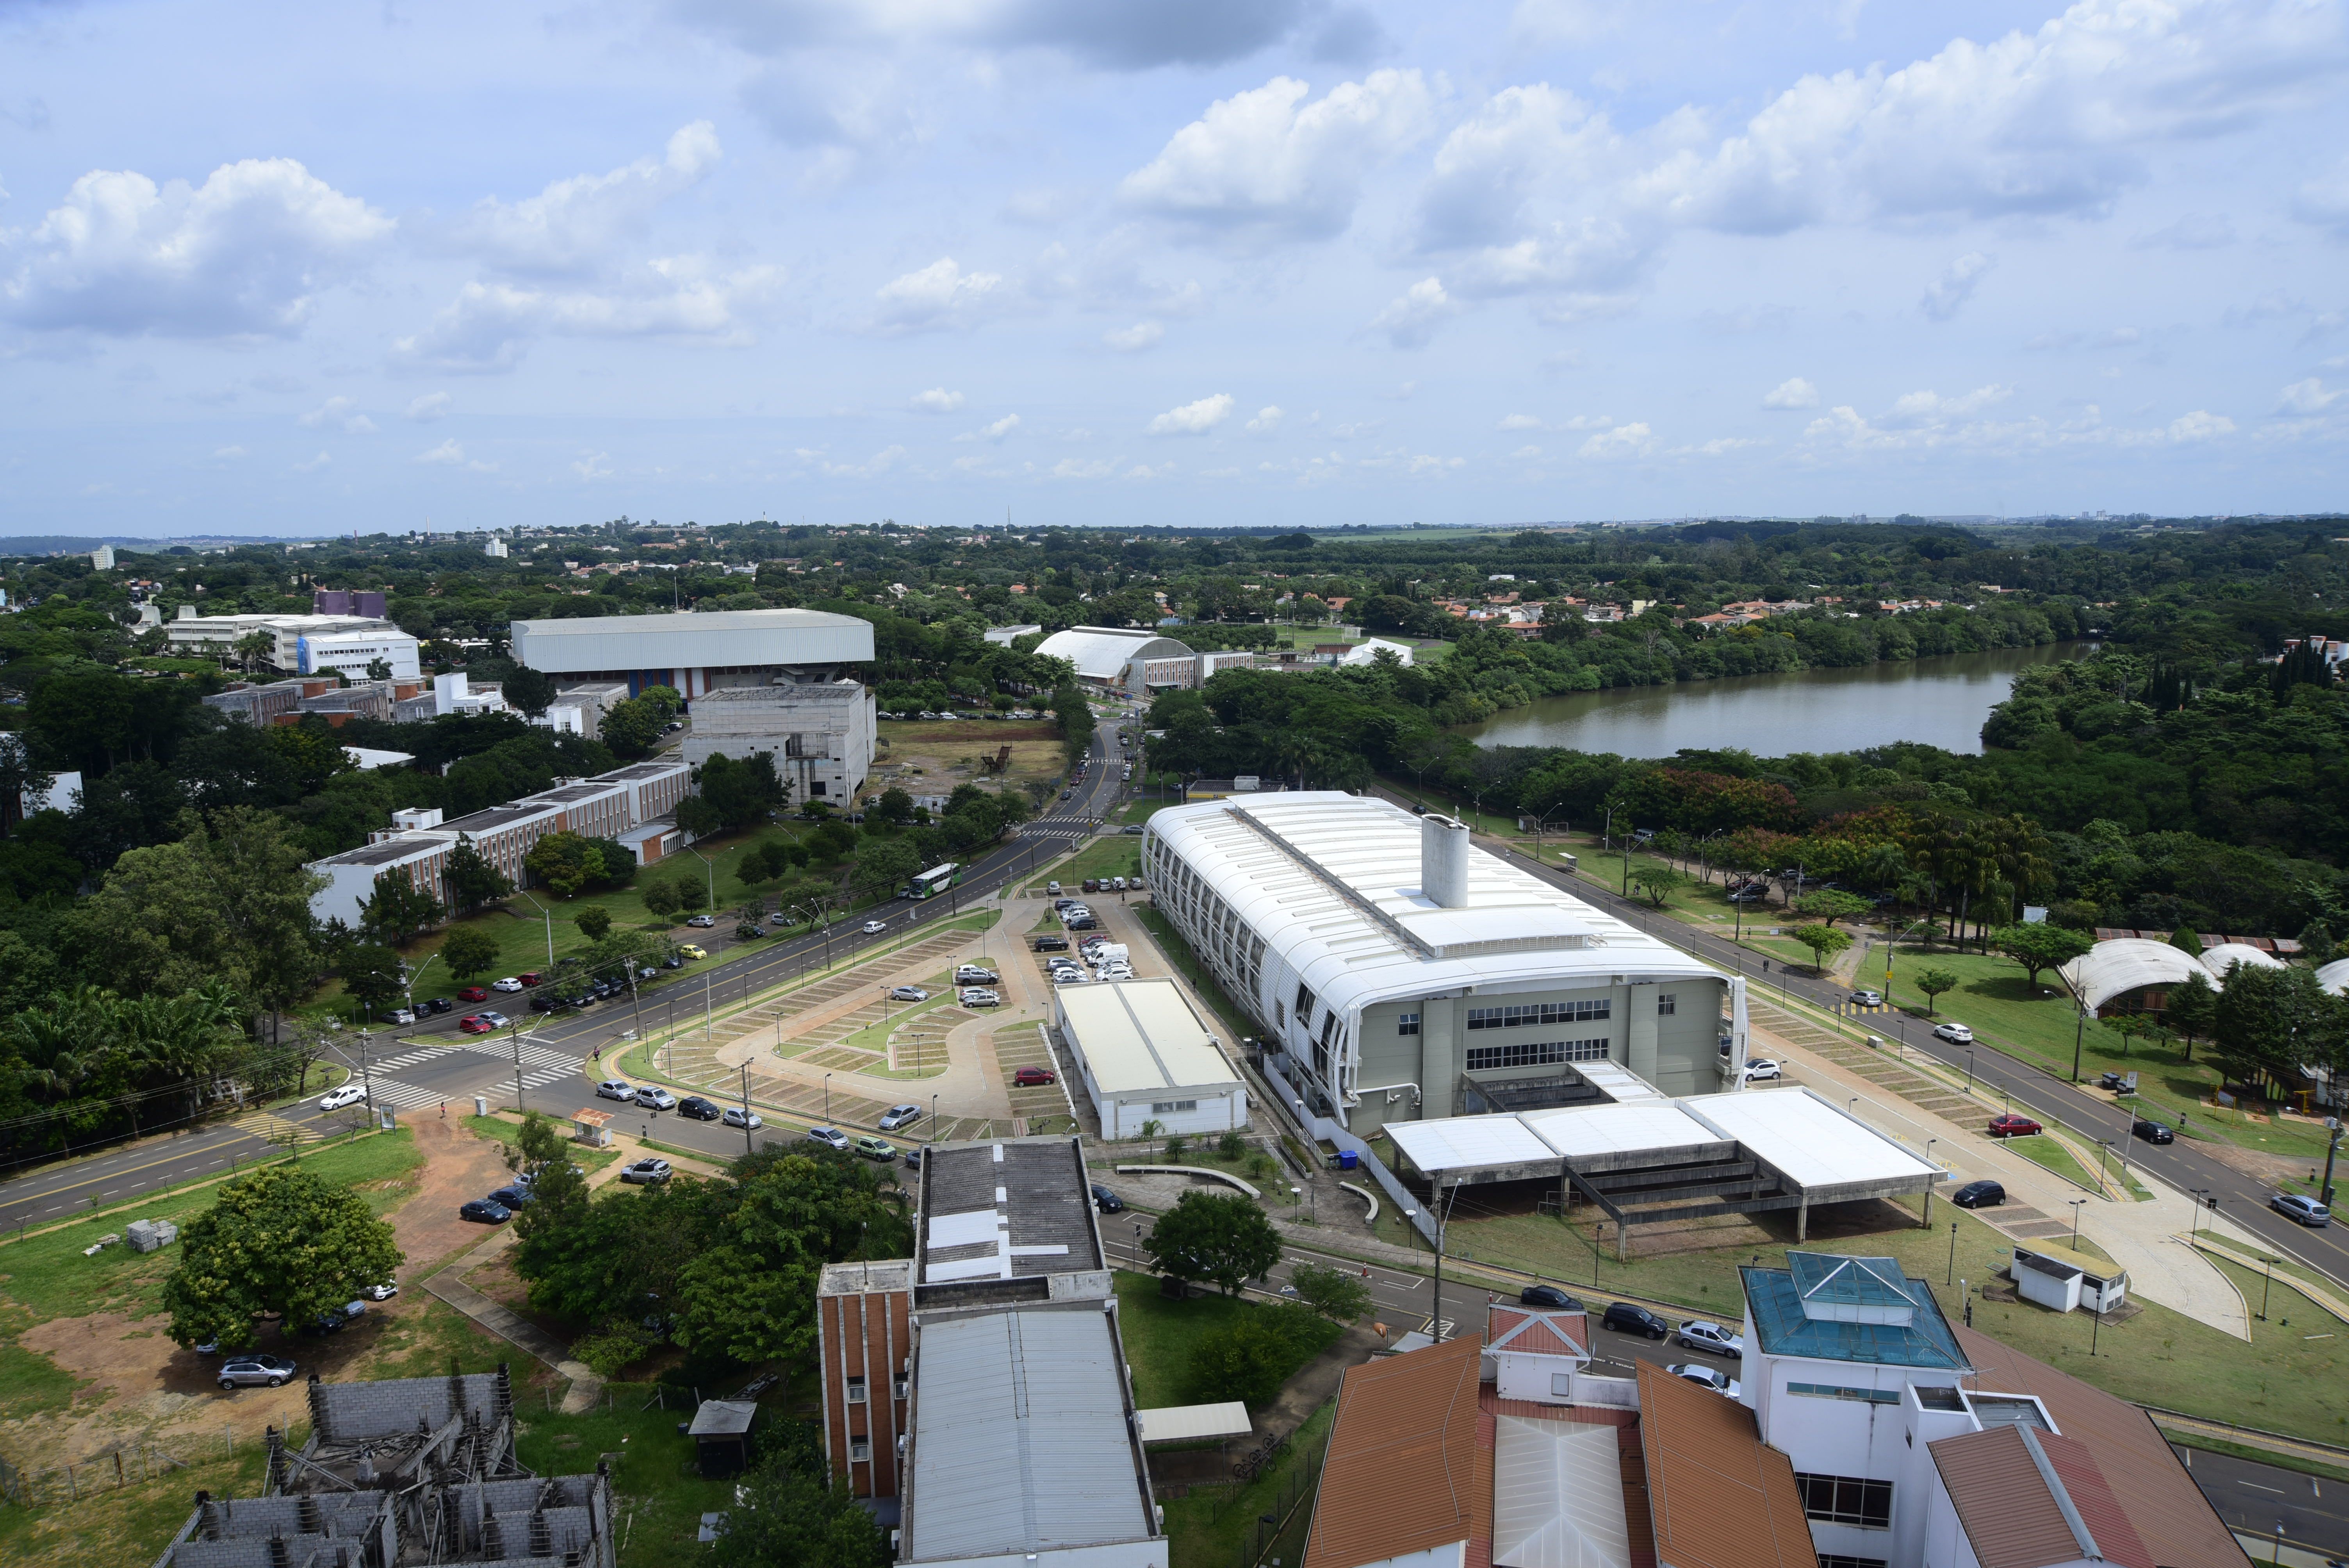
<point x="1626" y="1319"/>
<point x="1979" y="1195"/>
<point x="700" y="1110"/>
<point x="438" y="1005"/>
<point x="485" y="1212"/>
<point x="1084" y="923"/>
<point x="914" y="1158"/>
<point x="541" y="1002"/>
<point x="511" y="1197"/>
<point x="2153" y="1132"/>
<point x="1549" y="1297"/>
<point x="584" y="999"/>
<point x="1051" y="945"/>
<point x="1107" y="1201"/>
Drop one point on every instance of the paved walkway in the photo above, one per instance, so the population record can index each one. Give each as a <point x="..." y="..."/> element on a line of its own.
<point x="1914" y="1104"/>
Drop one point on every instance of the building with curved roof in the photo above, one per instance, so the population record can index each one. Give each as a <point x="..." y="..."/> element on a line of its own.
<point x="1403" y="972"/>
<point x="2335" y="976"/>
<point x="2132" y="970"/>
<point x="694" y="653"/>
<point x="1125" y="658"/>
<point x="2227" y="955"/>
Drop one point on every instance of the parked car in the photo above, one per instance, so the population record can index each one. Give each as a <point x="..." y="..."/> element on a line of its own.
<point x="1107" y="1201"/>
<point x="545" y="1001"/>
<point x="403" y="1016"/>
<point x="1548" y="1296"/>
<point x="830" y="1136"/>
<point x="975" y="975"/>
<point x="494" y="1020"/>
<point x="1092" y="884"/>
<point x="874" y="927"/>
<point x="438" y="1005"/>
<point x="702" y="921"/>
<point x="472" y="994"/>
<point x="2012" y="1124"/>
<point x="879" y="1149"/>
<point x="383" y="1291"/>
<point x="1979" y="1195"/>
<point x="620" y="1089"/>
<point x="513" y="1197"/>
<point x="1134" y="828"/>
<point x="692" y="950"/>
<point x="979" y="996"/>
<point x="735" y="1116"/>
<point x="1118" y="972"/>
<point x="2304" y="1210"/>
<point x="1079" y="922"/>
<point x="1867" y="999"/>
<point x="475" y="1026"/>
<point x="696" y="1108"/>
<point x="899" y="1116"/>
<point x="483" y="1212"/>
<point x="529" y="977"/>
<point x="1033" y="1077"/>
<point x="1051" y="890"/>
<point x="1705" y="1376"/>
<point x="334" y="1319"/>
<point x="908" y="993"/>
<point x="335" y="1099"/>
<point x="1762" y="1070"/>
<point x="1051" y="945"/>
<point x="1956" y="1034"/>
<point x="1625" y="1317"/>
<point x="511" y="983"/>
<point x="2153" y="1132"/>
<point x="244" y="1371"/>
<point x="655" y="1099"/>
<point x="645" y="1173"/>
<point x="1710" y="1337"/>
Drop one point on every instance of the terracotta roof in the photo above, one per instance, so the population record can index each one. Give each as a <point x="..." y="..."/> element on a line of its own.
<point x="1718" y="1495"/>
<point x="2028" y="1499"/>
<point x="1405" y="1471"/>
<point x="1537" y="1333"/>
<point x="2146" y="1480"/>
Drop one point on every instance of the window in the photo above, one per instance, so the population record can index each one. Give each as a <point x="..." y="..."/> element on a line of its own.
<point x="1838" y="1560"/>
<point x="1846" y="1500"/>
<point x="1561" y="1384"/>
<point x="1406" y="1023"/>
<point x="1540" y="1012"/>
<point x="899" y="1386"/>
<point x="1280" y="1015"/>
<point x="860" y="1449"/>
<point x="1547" y="1053"/>
<point x="816" y="787"/>
<point x="1304" y="1004"/>
<point x="1829" y="1391"/>
<point x="1167" y="1107"/>
<point x="1666" y="1004"/>
<point x="856" y="1390"/>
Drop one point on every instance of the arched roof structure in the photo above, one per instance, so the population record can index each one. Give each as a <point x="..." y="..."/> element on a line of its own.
<point x="2126" y="964"/>
<point x="1103" y="653"/>
<point x="2227" y="955"/>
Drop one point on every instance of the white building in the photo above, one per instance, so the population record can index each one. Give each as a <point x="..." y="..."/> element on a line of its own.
<point x="1123" y="659"/>
<point x="1143" y="1056"/>
<point x="820" y="733"/>
<point x="1398" y="969"/>
<point x="102" y="558"/>
<point x="300" y="645"/>
<point x="695" y="653"/>
<point x="494" y="548"/>
<point x="1368" y="653"/>
<point x="1004" y="636"/>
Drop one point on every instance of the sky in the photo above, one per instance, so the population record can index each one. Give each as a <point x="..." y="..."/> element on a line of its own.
<point x="295" y="269"/>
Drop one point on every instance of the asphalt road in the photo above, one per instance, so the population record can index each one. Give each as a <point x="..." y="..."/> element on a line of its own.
<point x="421" y="1067"/>
<point x="2254" y="1498"/>
<point x="2182" y="1164"/>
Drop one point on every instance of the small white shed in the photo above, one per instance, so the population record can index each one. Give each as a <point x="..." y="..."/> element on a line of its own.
<point x="2062" y="1279"/>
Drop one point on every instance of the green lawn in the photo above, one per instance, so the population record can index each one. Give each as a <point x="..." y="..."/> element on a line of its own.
<point x="1160" y="1335"/>
<point x="126" y="1529"/>
<point x="1212" y="1527"/>
<point x="509" y="1132"/>
<point x="657" y="1490"/>
<point x="1118" y="855"/>
<point x="2043" y="1149"/>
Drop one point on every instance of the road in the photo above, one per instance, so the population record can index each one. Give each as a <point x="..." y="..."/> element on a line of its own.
<point x="2182" y="1164"/>
<point x="431" y="1065"/>
<point x="2254" y="1497"/>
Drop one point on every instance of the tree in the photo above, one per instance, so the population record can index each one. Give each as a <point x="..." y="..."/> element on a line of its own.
<point x="471" y="880"/>
<point x="730" y="793"/>
<point x="558" y="1188"/>
<point x="565" y="861"/>
<point x="1206" y="1236"/>
<point x="1824" y="941"/>
<point x="2187" y="940"/>
<point x="2262" y="1015"/>
<point x="895" y="805"/>
<point x="1832" y="906"/>
<point x="788" y="1512"/>
<point x="398" y="909"/>
<point x="1933" y="982"/>
<point x="882" y="867"/>
<point x="632" y="728"/>
<point x="374" y="974"/>
<point x="2040" y="946"/>
<point x="278" y="1244"/>
<point x="469" y="951"/>
<point x="1336" y="1295"/>
<point x="1245" y="1360"/>
<point x="594" y="922"/>
<point x="528" y="690"/>
<point x="1657" y="882"/>
<point x="661" y="899"/>
<point x="2191" y="1008"/>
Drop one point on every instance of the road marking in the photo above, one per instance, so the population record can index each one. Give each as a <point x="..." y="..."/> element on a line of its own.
<point x="2256" y="1487"/>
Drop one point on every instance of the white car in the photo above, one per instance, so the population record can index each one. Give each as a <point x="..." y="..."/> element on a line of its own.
<point x="1760" y="1069"/>
<point x="617" y="1089"/>
<point x="976" y="975"/>
<point x="875" y="927"/>
<point x="1956" y="1034"/>
<point x="1705" y="1376"/>
<point x="1117" y="972"/>
<point x="979" y="996"/>
<point x="1710" y="1337"/>
<point x="495" y="1020"/>
<point x="1068" y="976"/>
<point x="335" y="1099"/>
<point x="508" y="984"/>
<point x="657" y="1098"/>
<point x="908" y="993"/>
<point x="831" y="1137"/>
<point x="383" y="1291"/>
<point x="703" y="921"/>
<point x="402" y="1015"/>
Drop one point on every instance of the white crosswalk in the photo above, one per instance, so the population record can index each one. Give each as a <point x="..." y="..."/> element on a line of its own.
<point x="542" y="1066"/>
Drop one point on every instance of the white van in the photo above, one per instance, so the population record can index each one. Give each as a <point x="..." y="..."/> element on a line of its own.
<point x="1108" y="953"/>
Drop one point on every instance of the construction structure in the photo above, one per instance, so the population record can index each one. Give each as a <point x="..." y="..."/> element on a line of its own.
<point x="820" y="733"/>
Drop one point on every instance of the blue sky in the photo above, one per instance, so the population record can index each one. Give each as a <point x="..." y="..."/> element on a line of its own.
<point x="281" y="268"/>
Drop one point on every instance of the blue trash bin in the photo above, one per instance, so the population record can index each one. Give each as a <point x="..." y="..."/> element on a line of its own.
<point x="1348" y="1160"/>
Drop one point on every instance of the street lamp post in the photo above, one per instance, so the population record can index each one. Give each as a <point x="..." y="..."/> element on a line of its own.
<point x="2195" y="1218"/>
<point x="2332" y="1148"/>
<point x="827" y="1097"/>
<point x="550" y="929"/>
<point x="1953" y="1253"/>
<point x="2266" y="1285"/>
<point x="2076" y="1219"/>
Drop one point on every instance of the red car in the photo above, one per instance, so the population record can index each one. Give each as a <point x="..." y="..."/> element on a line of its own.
<point x="475" y="1026"/>
<point x="2013" y="1126"/>
<point x="1029" y="1077"/>
<point x="473" y="994"/>
<point x="528" y="977"/>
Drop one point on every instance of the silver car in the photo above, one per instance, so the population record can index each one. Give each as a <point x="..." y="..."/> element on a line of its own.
<point x="901" y="1116"/>
<point x="657" y="1098"/>
<point x="735" y="1116"/>
<point x="256" y="1371"/>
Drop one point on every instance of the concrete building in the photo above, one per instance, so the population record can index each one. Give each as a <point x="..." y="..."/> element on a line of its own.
<point x="695" y="653"/>
<point x="1398" y="972"/>
<point x="864" y="1341"/>
<point x="366" y="603"/>
<point x="2063" y="1279"/>
<point x="1004" y="636"/>
<point x="301" y="644"/>
<point x="494" y="548"/>
<point x="821" y="734"/>
<point x="1123" y="659"/>
<point x="1143" y="1056"/>
<point x="102" y="558"/>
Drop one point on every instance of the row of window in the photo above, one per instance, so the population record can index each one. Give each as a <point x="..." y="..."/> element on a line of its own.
<point x="1845" y="1499"/>
<point x="1541" y="1054"/>
<point x="1515" y="1016"/>
<point x="1169" y="1107"/>
<point x="1830" y="1391"/>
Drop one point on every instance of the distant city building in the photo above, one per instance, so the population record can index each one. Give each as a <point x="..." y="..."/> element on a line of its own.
<point x="1123" y="659"/>
<point x="102" y="558"/>
<point x="341" y="602"/>
<point x="301" y="644"/>
<point x="1004" y="636"/>
<point x="695" y="653"/>
<point x="494" y="548"/>
<point x="820" y="733"/>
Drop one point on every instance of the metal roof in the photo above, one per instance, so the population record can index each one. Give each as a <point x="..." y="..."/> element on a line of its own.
<point x="1782" y="1327"/>
<point x="1192" y="1423"/>
<point x="1102" y="653"/>
<point x="2028" y="1499"/>
<point x="1818" y="1146"/>
<point x="1021" y="1442"/>
<point x="1825" y="1282"/>
<point x="2335" y="976"/>
<point x="1403" y="1472"/>
<point x="1006" y="1209"/>
<point x="1448" y="1143"/>
<point x="2128" y="963"/>
<point x="1582" y="1132"/>
<point x="585" y="645"/>
<point x="1558" y="1496"/>
<point x="723" y="1418"/>
<point x="1719" y="1496"/>
<point x="2227" y="955"/>
<point x="1141" y="1035"/>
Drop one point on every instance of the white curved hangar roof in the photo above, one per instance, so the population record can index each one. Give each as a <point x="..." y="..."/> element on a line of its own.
<point x="2335" y="976"/>
<point x="2227" y="955"/>
<point x="717" y="640"/>
<point x="2128" y="963"/>
<point x="1329" y="880"/>
<point x="1102" y="653"/>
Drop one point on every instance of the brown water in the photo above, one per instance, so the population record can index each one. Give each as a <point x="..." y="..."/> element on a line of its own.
<point x="1938" y="702"/>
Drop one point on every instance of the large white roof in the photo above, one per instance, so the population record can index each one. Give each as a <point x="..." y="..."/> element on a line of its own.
<point x="1332" y="881"/>
<point x="1815" y="1145"/>
<point x="1141" y="1035"/>
<point x="1558" y="1496"/>
<point x="2335" y="976"/>
<point x="596" y="644"/>
<point x="1580" y="1131"/>
<point x="1102" y="653"/>
<point x="2126" y="964"/>
<point x="2227" y="955"/>
<point x="1468" y="1143"/>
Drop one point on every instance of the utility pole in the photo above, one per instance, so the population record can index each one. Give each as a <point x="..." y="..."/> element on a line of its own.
<point x="514" y="1034"/>
<point x="748" y="1148"/>
<point x="2324" y="1194"/>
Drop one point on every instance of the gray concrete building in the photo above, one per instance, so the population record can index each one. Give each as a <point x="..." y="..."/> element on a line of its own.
<point x="820" y="733"/>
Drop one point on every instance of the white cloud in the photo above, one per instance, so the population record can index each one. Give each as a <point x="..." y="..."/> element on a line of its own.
<point x="1635" y="440"/>
<point x="1490" y="165"/>
<point x="879" y="463"/>
<point x="1916" y="409"/>
<point x="1792" y="393"/>
<point x="2201" y="426"/>
<point x="1518" y="422"/>
<point x="2307" y="396"/>
<point x="228" y="453"/>
<point x="1549" y="22"/>
<point x="1136" y="35"/>
<point x="313" y="465"/>
<point x="1194" y="419"/>
<point x="994" y="432"/>
<point x="1259" y="169"/>
<point x="576" y="225"/>
<point x="1425" y="466"/>
<point x="936" y="297"/>
<point x="1527" y="454"/>
<point x="1949" y="293"/>
<point x="1132" y="339"/>
<point x="490" y="326"/>
<point x="1268" y="419"/>
<point x="1409" y="320"/>
<point x="1085" y="468"/>
<point x="243" y="254"/>
<point x="936" y="401"/>
<point x="339" y="411"/>
<point x="593" y="466"/>
<point x="429" y="407"/>
<point x="449" y="454"/>
<point x="2324" y="201"/>
<point x="2189" y="232"/>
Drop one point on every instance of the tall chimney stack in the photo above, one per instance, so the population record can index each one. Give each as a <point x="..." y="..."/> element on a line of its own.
<point x="1444" y="860"/>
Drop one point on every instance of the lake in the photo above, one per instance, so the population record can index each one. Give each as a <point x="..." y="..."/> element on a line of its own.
<point x="1938" y="702"/>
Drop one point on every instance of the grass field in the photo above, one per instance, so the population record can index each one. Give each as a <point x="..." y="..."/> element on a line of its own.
<point x="1116" y="855"/>
<point x="1212" y="1527"/>
<point x="508" y="1131"/>
<point x="1161" y="1333"/>
<point x="129" y="1526"/>
<point x="658" y="1494"/>
<point x="2047" y="1152"/>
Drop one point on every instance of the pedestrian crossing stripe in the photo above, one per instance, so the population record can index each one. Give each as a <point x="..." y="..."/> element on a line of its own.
<point x="414" y="1097"/>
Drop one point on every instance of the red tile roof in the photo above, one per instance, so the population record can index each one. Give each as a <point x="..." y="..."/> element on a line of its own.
<point x="1405" y="1471"/>
<point x="2013" y="1516"/>
<point x="1718" y="1495"/>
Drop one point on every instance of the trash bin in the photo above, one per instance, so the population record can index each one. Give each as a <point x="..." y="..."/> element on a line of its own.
<point x="1348" y="1160"/>
<point x="1876" y="1042"/>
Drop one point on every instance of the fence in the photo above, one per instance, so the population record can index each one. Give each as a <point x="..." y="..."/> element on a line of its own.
<point x="1276" y="1535"/>
<point x="108" y="1471"/>
<point x="1324" y="1128"/>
